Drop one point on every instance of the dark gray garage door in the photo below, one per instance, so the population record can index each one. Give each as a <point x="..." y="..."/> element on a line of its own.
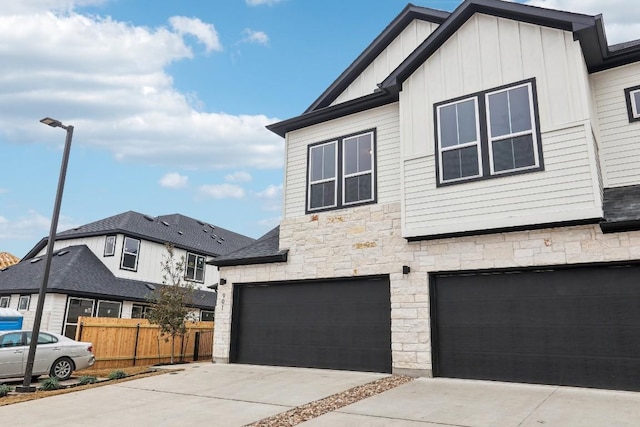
<point x="578" y="326"/>
<point x="337" y="324"/>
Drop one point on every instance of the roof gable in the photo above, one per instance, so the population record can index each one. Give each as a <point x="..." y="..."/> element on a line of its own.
<point x="388" y="35"/>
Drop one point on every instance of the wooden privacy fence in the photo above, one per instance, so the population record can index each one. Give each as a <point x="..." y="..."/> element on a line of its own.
<point x="119" y="343"/>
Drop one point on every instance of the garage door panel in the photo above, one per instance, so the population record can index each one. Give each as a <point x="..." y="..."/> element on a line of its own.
<point x="337" y="324"/>
<point x="576" y="326"/>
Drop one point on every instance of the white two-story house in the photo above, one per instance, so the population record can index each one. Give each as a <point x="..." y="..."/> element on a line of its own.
<point x="108" y="268"/>
<point x="463" y="201"/>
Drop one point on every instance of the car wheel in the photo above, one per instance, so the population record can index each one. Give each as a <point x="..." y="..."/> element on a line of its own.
<point x="62" y="369"/>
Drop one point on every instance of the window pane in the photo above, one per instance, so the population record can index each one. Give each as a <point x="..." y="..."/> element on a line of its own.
<point x="329" y="169"/>
<point x="136" y="312"/>
<point x="322" y="195"/>
<point x="109" y="245"/>
<point x="70" y="331"/>
<point x="520" y="111"/>
<point x="459" y="163"/>
<point x="77" y="308"/>
<point x="364" y="153"/>
<point x="358" y="188"/>
<point x="448" y="126"/>
<point x="513" y="153"/>
<point x="499" y="112"/>
<point x="466" y="121"/>
<point x="316" y="163"/>
<point x="129" y="261"/>
<point x="351" y="155"/>
<point x="108" y="309"/>
<point x="131" y="245"/>
<point x="636" y="101"/>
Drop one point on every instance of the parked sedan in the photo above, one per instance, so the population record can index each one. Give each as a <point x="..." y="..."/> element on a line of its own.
<point x="56" y="355"/>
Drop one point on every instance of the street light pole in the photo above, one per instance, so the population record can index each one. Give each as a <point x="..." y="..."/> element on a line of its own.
<point x="26" y="384"/>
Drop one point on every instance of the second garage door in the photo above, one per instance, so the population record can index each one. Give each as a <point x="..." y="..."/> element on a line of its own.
<point x="336" y="324"/>
<point x="574" y="326"/>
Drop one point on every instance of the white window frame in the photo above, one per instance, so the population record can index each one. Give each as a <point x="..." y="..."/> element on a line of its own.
<point x="634" y="112"/>
<point x="477" y="142"/>
<point x="369" y="172"/>
<point x="144" y="310"/>
<point x="5" y="301"/>
<point x="186" y="269"/>
<point x="107" y="239"/>
<point x="124" y="252"/>
<point x="322" y="181"/>
<point x="66" y="313"/>
<point x="533" y="131"/>
<point x="97" y="307"/>
<point x="22" y="298"/>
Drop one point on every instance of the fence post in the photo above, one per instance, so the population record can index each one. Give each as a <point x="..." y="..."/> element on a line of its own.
<point x="135" y="348"/>
<point x="196" y="347"/>
<point x="182" y="348"/>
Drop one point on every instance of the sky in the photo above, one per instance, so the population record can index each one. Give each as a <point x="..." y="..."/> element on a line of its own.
<point x="169" y="100"/>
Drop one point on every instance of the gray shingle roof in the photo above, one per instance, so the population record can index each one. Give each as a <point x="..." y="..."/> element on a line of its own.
<point x="264" y="250"/>
<point x="75" y="270"/>
<point x="181" y="231"/>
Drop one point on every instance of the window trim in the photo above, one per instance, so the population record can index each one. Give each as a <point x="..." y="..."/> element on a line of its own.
<point x="310" y="182"/>
<point x="371" y="171"/>
<point x="486" y="156"/>
<point x="124" y="246"/>
<point x="106" y="243"/>
<point x="23" y="298"/>
<point x="186" y="268"/>
<point x="144" y="310"/>
<point x="633" y="110"/>
<point x="340" y="175"/>
<point x="6" y="298"/>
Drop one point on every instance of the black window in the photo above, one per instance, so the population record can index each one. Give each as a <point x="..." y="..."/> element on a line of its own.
<point x="130" y="253"/>
<point x="207" y="316"/>
<point x="110" y="246"/>
<point x="195" y="268"/>
<point x="632" y="97"/>
<point x="23" y="302"/>
<point x="488" y="134"/>
<point x="140" y="311"/>
<point x="4" y="301"/>
<point x="341" y="172"/>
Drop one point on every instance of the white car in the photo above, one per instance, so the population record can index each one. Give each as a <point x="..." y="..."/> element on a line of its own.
<point x="56" y="355"/>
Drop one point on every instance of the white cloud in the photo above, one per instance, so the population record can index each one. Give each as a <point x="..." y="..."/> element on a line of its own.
<point x="205" y="33"/>
<point x="33" y="226"/>
<point x="239" y="176"/>
<point x="262" y="2"/>
<point x="174" y="180"/>
<point x="269" y="222"/>
<point x="621" y="17"/>
<point x="272" y="195"/>
<point x="222" y="191"/>
<point x="253" y="36"/>
<point x="30" y="6"/>
<point x="108" y="79"/>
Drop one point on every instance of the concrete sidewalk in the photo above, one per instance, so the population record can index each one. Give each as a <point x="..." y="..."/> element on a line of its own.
<point x="438" y="402"/>
<point x="236" y="395"/>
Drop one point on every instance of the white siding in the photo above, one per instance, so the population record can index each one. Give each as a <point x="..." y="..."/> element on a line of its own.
<point x="487" y="52"/>
<point x="383" y="119"/>
<point x="566" y="190"/>
<point x="619" y="139"/>
<point x="149" y="261"/>
<point x="388" y="60"/>
<point x="52" y="312"/>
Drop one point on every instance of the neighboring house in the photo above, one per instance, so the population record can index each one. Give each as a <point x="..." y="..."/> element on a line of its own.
<point x="109" y="267"/>
<point x="461" y="202"/>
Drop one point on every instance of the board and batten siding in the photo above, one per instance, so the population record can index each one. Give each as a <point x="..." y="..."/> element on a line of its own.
<point x="384" y="119"/>
<point x="568" y="189"/>
<point x="388" y="60"/>
<point x="619" y="139"/>
<point x="488" y="52"/>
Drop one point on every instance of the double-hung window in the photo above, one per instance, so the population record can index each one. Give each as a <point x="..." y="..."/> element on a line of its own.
<point x="130" y="252"/>
<point x="632" y="96"/>
<point x="195" y="268"/>
<point x="110" y="246"/>
<point x="341" y="172"/>
<point x="488" y="134"/>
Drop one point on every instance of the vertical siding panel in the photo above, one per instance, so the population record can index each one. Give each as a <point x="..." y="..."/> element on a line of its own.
<point x="489" y="50"/>
<point x="533" y="62"/>
<point x="510" y="54"/>
<point x="469" y="57"/>
<point x="451" y="67"/>
<point x="556" y="75"/>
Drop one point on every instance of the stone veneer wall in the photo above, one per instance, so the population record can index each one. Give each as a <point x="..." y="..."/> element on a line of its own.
<point x="367" y="241"/>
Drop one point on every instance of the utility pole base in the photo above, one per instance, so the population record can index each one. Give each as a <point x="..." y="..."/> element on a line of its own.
<point x="25" y="389"/>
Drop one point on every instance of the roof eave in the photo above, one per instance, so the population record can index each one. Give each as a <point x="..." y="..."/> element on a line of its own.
<point x="269" y="259"/>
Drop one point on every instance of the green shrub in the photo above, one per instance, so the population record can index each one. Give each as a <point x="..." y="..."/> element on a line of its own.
<point x="4" y="390"/>
<point x="86" y="379"/>
<point x="116" y="375"/>
<point x="50" y="384"/>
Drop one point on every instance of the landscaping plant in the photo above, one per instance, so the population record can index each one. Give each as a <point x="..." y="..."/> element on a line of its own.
<point x="50" y="384"/>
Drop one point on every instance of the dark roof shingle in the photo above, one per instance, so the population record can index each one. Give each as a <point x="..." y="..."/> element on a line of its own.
<point x="264" y="250"/>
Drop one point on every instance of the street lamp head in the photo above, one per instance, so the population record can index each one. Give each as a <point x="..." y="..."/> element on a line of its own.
<point x="52" y="122"/>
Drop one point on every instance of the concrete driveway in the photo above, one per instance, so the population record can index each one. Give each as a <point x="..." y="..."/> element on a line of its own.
<point x="235" y="395"/>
